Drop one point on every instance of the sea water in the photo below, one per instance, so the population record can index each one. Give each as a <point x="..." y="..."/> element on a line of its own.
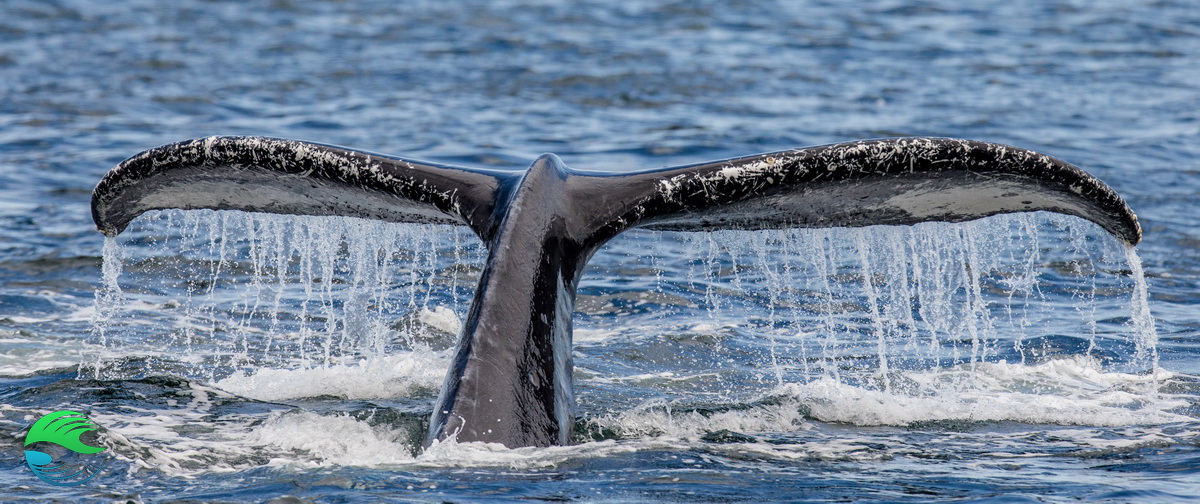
<point x="235" y="358"/>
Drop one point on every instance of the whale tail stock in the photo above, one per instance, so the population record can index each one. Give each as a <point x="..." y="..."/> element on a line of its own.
<point x="510" y="380"/>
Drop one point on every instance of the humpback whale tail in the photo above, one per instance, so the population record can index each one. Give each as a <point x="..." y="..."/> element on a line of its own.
<point x="510" y="380"/>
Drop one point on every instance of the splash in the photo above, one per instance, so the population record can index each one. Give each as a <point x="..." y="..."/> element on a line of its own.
<point x="408" y="373"/>
<point x="1023" y="318"/>
<point x="344" y="440"/>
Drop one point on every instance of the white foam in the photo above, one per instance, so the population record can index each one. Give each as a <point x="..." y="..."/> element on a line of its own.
<point x="332" y="440"/>
<point x="1068" y="392"/>
<point x="451" y="453"/>
<point x="403" y="374"/>
<point x="1074" y="391"/>
<point x="180" y="441"/>
<point x="1102" y="411"/>
<point x="656" y="377"/>
<point x="29" y="352"/>
<point x="70" y="314"/>
<point x="23" y="364"/>
<point x="660" y="418"/>
<point x="183" y="441"/>
<point x="442" y="318"/>
<point x="585" y="335"/>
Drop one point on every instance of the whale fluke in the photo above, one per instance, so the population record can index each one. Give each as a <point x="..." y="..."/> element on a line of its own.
<point x="510" y="380"/>
<point x="273" y="175"/>
<point x="892" y="181"/>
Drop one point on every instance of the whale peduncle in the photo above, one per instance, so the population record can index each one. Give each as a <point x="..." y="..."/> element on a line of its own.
<point x="510" y="380"/>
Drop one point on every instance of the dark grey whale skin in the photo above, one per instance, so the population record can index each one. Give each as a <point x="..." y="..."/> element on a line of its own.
<point x="510" y="380"/>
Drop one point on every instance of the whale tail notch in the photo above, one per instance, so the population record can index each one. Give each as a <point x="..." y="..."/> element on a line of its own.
<point x="510" y="381"/>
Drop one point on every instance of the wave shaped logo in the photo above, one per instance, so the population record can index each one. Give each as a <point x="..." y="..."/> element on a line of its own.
<point x="56" y="452"/>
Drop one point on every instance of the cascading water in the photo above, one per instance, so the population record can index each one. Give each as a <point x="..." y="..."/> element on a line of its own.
<point x="727" y="331"/>
<point x="257" y="291"/>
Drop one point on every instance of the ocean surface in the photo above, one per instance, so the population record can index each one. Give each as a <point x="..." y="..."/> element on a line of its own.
<point x="233" y="357"/>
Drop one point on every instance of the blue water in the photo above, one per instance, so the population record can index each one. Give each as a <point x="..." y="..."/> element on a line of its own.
<point x="247" y="358"/>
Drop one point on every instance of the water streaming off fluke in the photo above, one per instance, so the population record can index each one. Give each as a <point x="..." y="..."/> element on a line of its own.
<point x="686" y="333"/>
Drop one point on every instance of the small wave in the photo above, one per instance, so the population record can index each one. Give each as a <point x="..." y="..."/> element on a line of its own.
<point x="332" y="440"/>
<point x="1074" y="391"/>
<point x="1063" y="392"/>
<point x="417" y="372"/>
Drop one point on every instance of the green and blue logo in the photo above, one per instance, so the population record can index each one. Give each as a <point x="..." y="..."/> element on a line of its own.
<point x="56" y="452"/>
